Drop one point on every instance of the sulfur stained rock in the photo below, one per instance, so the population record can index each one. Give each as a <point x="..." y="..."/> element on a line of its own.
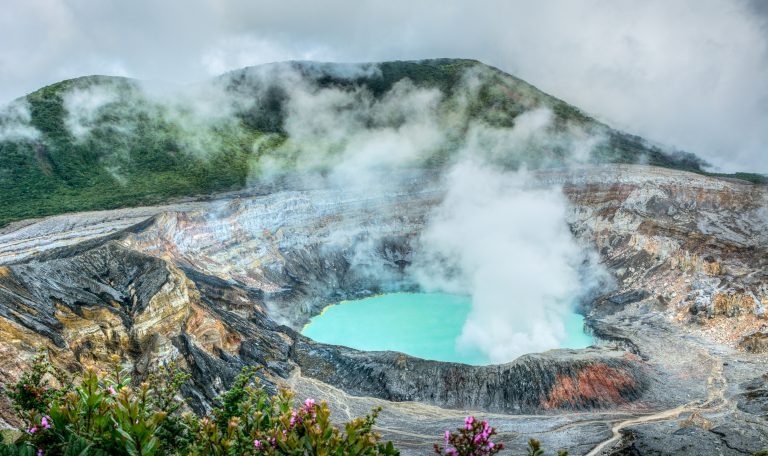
<point x="733" y="303"/>
<point x="165" y="315"/>
<point x="756" y="342"/>
<point x="711" y="266"/>
<point x="209" y="333"/>
<point x="93" y="334"/>
<point x="592" y="384"/>
<point x="87" y="305"/>
<point x="707" y="264"/>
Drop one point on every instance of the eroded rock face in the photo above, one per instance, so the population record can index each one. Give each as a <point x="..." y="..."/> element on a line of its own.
<point x="695" y="245"/>
<point x="88" y="305"/>
<point x="756" y="342"/>
<point x="300" y="249"/>
<point x="564" y="379"/>
<point x="222" y="284"/>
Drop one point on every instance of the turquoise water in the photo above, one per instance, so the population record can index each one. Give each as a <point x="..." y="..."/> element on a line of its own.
<point x="425" y="325"/>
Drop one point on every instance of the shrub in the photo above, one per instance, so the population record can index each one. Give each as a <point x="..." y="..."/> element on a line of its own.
<point x="108" y="414"/>
<point x="105" y="415"/>
<point x="474" y="439"/>
<point x="33" y="393"/>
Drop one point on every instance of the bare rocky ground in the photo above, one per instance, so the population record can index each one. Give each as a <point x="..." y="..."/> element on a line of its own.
<point x="680" y="368"/>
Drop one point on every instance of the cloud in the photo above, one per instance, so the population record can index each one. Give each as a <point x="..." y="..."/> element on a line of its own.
<point x="240" y="51"/>
<point x="111" y="117"/>
<point x="84" y="107"/>
<point x="347" y="134"/>
<point x="199" y="112"/>
<point x="15" y="123"/>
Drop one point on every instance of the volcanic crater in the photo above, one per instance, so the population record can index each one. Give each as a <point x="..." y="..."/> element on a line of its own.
<point x="229" y="281"/>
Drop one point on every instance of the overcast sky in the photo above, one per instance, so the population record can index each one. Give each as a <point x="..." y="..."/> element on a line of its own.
<point x="687" y="73"/>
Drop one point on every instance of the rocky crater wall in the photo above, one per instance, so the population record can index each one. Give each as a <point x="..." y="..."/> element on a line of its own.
<point x="226" y="283"/>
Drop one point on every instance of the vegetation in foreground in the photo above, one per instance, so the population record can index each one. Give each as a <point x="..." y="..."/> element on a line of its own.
<point x="105" y="415"/>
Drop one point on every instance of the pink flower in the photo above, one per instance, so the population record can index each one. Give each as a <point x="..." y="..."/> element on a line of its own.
<point x="111" y="390"/>
<point x="44" y="423"/>
<point x="272" y="441"/>
<point x="257" y="444"/>
<point x="468" y="422"/>
<point x="447" y="436"/>
<point x="309" y="403"/>
<point x="451" y="452"/>
<point x="39" y="452"/>
<point x="32" y="430"/>
<point x="491" y="444"/>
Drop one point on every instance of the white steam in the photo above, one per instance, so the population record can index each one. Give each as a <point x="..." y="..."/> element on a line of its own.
<point x="351" y="134"/>
<point x="112" y="116"/>
<point x="198" y="112"/>
<point x="348" y="134"/>
<point x="508" y="245"/>
<point x="15" y="122"/>
<point x="497" y="235"/>
<point x="85" y="106"/>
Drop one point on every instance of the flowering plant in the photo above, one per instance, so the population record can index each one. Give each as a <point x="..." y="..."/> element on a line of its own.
<point x="109" y="414"/>
<point x="473" y="439"/>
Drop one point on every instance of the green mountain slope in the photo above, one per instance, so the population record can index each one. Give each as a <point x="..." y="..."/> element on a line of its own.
<point x="103" y="142"/>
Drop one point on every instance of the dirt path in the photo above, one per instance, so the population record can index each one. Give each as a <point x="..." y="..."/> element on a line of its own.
<point x="716" y="385"/>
